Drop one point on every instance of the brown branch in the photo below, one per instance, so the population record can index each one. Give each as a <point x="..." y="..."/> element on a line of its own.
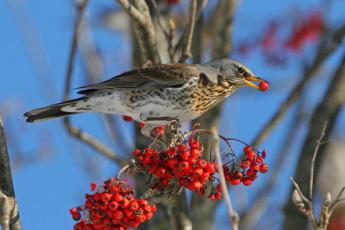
<point x="139" y="12"/>
<point x="233" y="215"/>
<point x="185" y="43"/>
<point x="133" y="12"/>
<point x="329" y="43"/>
<point x="9" y="213"/>
<point x="73" y="130"/>
<point x="304" y="204"/>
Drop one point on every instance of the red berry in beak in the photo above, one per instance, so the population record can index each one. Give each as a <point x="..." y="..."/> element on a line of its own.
<point x="264" y="86"/>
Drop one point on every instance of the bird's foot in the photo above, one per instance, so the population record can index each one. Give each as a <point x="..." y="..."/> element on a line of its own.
<point x="174" y="125"/>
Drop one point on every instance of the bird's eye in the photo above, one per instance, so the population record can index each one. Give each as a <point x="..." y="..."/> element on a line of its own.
<point x="240" y="70"/>
<point x="245" y="74"/>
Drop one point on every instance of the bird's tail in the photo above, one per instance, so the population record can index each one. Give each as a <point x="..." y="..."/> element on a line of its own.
<point x="50" y="111"/>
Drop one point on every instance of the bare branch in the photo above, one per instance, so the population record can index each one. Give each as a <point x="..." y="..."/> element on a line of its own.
<point x="338" y="199"/>
<point x="233" y="215"/>
<point x="73" y="130"/>
<point x="185" y="43"/>
<point x="9" y="213"/>
<point x="92" y="142"/>
<point x="132" y="11"/>
<point x="312" y="165"/>
<point x="139" y="12"/>
<point x="305" y="205"/>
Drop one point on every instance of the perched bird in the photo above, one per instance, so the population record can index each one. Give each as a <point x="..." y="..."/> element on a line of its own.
<point x="159" y="94"/>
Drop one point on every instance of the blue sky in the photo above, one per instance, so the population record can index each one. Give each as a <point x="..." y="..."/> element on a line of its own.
<point x="47" y="188"/>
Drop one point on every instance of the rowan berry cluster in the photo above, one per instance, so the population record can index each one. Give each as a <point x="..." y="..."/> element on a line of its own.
<point x="246" y="171"/>
<point x="112" y="206"/>
<point x="182" y="163"/>
<point x="185" y="164"/>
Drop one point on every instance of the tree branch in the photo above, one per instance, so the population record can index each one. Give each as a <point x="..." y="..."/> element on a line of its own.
<point x="9" y="213"/>
<point x="73" y="130"/>
<point x="312" y="165"/>
<point x="139" y="12"/>
<point x="233" y="215"/>
<point x="305" y="205"/>
<point x="185" y="43"/>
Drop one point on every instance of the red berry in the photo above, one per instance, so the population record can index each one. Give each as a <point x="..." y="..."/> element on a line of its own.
<point x="149" y="215"/>
<point x="263" y="85"/>
<point x="263" y="168"/>
<point x="251" y="155"/>
<point x="128" y="212"/>
<point x="113" y="205"/>
<point x="184" y="165"/>
<point x="143" y="202"/>
<point x="127" y="118"/>
<point x="193" y="143"/>
<point x="218" y="195"/>
<point x="198" y="171"/>
<point x="247" y="149"/>
<point x="196" y="185"/>
<point x="161" y="172"/>
<point x="210" y="167"/>
<point x="118" y="214"/>
<point x="219" y="187"/>
<point x="235" y="181"/>
<point x="212" y="196"/>
<point x="134" y="205"/>
<point x="195" y="153"/>
<point x="202" y="163"/>
<point x="105" y="197"/>
<point x="172" y="163"/>
<point x="185" y="155"/>
<point x="263" y="154"/>
<point x="205" y="175"/>
<point x="117" y="197"/>
<point x="159" y="131"/>
<point x="247" y="181"/>
<point x="93" y="186"/>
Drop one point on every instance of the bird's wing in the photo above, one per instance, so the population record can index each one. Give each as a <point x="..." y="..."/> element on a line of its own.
<point x="162" y="76"/>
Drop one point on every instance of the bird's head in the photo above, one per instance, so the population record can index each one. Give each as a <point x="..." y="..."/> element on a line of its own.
<point x="238" y="74"/>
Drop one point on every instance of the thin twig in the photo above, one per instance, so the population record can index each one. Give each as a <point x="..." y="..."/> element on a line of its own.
<point x="73" y="130"/>
<point x="338" y="199"/>
<point x="185" y="43"/>
<point x="312" y="165"/>
<point x="304" y="198"/>
<point x="233" y="216"/>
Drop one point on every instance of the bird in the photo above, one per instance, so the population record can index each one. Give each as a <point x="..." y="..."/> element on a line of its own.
<point x="159" y="94"/>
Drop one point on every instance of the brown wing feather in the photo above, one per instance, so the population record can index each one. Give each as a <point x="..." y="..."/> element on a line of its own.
<point x="162" y="76"/>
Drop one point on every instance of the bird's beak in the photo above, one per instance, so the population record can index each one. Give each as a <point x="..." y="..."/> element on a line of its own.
<point x="249" y="81"/>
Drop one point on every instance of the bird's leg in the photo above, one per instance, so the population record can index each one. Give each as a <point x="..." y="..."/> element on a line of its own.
<point x="174" y="125"/>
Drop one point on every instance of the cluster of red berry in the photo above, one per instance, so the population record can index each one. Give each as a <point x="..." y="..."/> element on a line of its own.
<point x="182" y="163"/>
<point x="308" y="29"/>
<point x="246" y="171"/>
<point x="112" y="206"/>
<point x="273" y="42"/>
